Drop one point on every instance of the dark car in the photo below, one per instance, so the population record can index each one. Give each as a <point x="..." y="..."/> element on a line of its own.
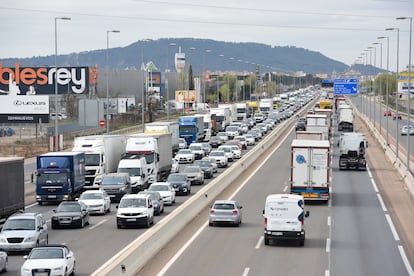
<point x="206" y="167"/>
<point x="156" y="201"/>
<point x="180" y="183"/>
<point x="300" y="126"/>
<point x="70" y="214"/>
<point x="215" y="141"/>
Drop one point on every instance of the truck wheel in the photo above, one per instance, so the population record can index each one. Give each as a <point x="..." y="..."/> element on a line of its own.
<point x="148" y="224"/>
<point x="266" y="241"/>
<point x="40" y="203"/>
<point x="302" y="243"/>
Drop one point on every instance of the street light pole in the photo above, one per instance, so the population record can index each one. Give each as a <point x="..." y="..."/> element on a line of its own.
<point x="56" y="145"/>
<point x="107" y="78"/>
<point x="396" y="88"/>
<point x="386" y="84"/>
<point x="172" y="44"/>
<point x="375" y="86"/>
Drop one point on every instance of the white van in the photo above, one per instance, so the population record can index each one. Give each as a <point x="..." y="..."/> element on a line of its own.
<point x="284" y="218"/>
<point x="138" y="172"/>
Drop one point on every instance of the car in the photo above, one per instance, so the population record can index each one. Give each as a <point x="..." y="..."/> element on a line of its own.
<point x="216" y="141"/>
<point x="197" y="149"/>
<point x="166" y="190"/>
<point x="116" y="185"/>
<point x="206" y="147"/>
<point x="407" y="130"/>
<point x="220" y="157"/>
<point x="182" y="143"/>
<point x="242" y="140"/>
<point x="70" y="214"/>
<point x="175" y="167"/>
<point x="227" y="151"/>
<point x="96" y="201"/>
<point x="258" y="117"/>
<point x="157" y="201"/>
<point x="232" y="131"/>
<point x="4" y="260"/>
<point x="212" y="162"/>
<point x="23" y="231"/>
<point x="225" y="212"/>
<point x="394" y="116"/>
<point x="223" y="135"/>
<point x="49" y="260"/>
<point x="236" y="152"/>
<point x="185" y="156"/>
<point x="180" y="183"/>
<point x="195" y="174"/>
<point x="250" y="140"/>
<point x="135" y="210"/>
<point x="234" y="142"/>
<point x="206" y="167"/>
<point x="300" y="126"/>
<point x="387" y="113"/>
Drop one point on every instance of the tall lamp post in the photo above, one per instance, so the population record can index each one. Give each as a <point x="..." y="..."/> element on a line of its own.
<point x="144" y="78"/>
<point x="375" y="86"/>
<point x="172" y="44"/>
<point x="409" y="88"/>
<point x="56" y="85"/>
<point x="386" y="84"/>
<point x="107" y="78"/>
<point x="396" y="88"/>
<point x="379" y="89"/>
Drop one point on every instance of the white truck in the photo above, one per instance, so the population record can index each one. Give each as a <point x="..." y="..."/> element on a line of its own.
<point x="165" y="127"/>
<point x="222" y="117"/>
<point x="156" y="148"/>
<point x="241" y="111"/>
<point x="352" y="147"/>
<point x="328" y="113"/>
<point x="345" y="118"/>
<point x="102" y="155"/>
<point x="208" y="127"/>
<point x="137" y="169"/>
<point x="232" y="111"/>
<point x="266" y="106"/>
<point x="284" y="218"/>
<point x="318" y="122"/>
<point x="310" y="169"/>
<point x="308" y="135"/>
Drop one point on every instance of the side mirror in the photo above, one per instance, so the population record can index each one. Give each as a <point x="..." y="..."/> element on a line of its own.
<point x="307" y="214"/>
<point x="116" y="206"/>
<point x="263" y="212"/>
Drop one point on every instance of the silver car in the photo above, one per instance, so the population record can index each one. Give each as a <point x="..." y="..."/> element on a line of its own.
<point x="225" y="212"/>
<point x="4" y="259"/>
<point x="407" y="130"/>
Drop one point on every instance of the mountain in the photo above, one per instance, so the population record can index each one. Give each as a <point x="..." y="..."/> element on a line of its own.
<point x="222" y="56"/>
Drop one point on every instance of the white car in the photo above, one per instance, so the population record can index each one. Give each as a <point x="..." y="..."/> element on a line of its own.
<point x="49" y="260"/>
<point x="135" y="210"/>
<point x="236" y="152"/>
<point x="250" y="140"/>
<point x="197" y="149"/>
<point x="242" y="140"/>
<point x="407" y="130"/>
<point x="220" y="157"/>
<point x="185" y="156"/>
<point x="4" y="259"/>
<point x="96" y="201"/>
<point x="182" y="143"/>
<point x="213" y="163"/>
<point x="223" y="135"/>
<point x="166" y="191"/>
<point x="227" y="151"/>
<point x="175" y="168"/>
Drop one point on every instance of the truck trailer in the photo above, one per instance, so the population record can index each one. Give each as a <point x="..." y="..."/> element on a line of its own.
<point x="345" y="118"/>
<point x="191" y="128"/>
<point x="310" y="169"/>
<point x="59" y="176"/>
<point x="11" y="185"/>
<point x="165" y="127"/>
<point x="352" y="148"/>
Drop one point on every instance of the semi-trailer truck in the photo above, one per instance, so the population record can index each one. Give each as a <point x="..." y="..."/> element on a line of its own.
<point x="165" y="127"/>
<point x="191" y="128"/>
<point x="11" y="185"/>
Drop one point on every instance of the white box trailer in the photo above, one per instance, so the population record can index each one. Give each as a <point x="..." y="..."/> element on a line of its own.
<point x="165" y="127"/>
<point x="309" y="135"/>
<point x="310" y="169"/>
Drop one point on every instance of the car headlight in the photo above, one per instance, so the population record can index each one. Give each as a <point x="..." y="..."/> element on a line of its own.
<point x="3" y="240"/>
<point x="76" y="218"/>
<point x="30" y="239"/>
<point x="145" y="213"/>
<point x="59" y="268"/>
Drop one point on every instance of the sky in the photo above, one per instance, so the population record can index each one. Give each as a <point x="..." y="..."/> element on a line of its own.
<point x="341" y="30"/>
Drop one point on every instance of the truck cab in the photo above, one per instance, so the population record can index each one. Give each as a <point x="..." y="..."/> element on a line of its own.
<point x="138" y="172"/>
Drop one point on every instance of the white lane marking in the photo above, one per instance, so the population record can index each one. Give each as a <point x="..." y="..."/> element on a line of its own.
<point x="31" y="205"/>
<point x="374" y="185"/>
<point x="246" y="271"/>
<point x="328" y="245"/>
<point x="196" y="234"/>
<point x="99" y="223"/>
<point x="285" y="189"/>
<point x="405" y="260"/>
<point x="391" y="224"/>
<point x="369" y="172"/>
<point x="326" y="272"/>
<point x="381" y="201"/>
<point x="259" y="242"/>
<point x="329" y="221"/>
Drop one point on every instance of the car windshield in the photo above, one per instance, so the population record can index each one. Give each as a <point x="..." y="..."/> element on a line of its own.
<point x="158" y="188"/>
<point x="184" y="152"/>
<point x="224" y="206"/>
<point x="217" y="153"/>
<point x="196" y="148"/>
<point x="176" y="177"/>
<point x="19" y="224"/>
<point x="68" y="208"/>
<point x="91" y="196"/>
<point x="191" y="169"/>
<point x="132" y="203"/>
<point x="130" y="171"/>
<point x="46" y="253"/>
<point x="202" y="163"/>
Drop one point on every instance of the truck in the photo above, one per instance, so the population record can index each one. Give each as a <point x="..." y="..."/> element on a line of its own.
<point x="266" y="106"/>
<point x="318" y="122"/>
<point x="191" y="128"/>
<point x="310" y="169"/>
<point x="241" y="111"/>
<point x="309" y="135"/>
<point x="156" y="149"/>
<point x="137" y="170"/>
<point x="232" y="111"/>
<point x="59" y="176"/>
<point x="222" y="117"/>
<point x="345" y="118"/>
<point x="11" y="186"/>
<point x="352" y="148"/>
<point x="209" y="126"/>
<point x="102" y="155"/>
<point x="165" y="127"/>
<point x="328" y="113"/>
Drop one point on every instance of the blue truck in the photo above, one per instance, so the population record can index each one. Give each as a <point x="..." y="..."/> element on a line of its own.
<point x="59" y="176"/>
<point x="191" y="128"/>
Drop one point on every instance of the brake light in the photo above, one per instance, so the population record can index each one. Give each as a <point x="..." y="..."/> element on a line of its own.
<point x="235" y="212"/>
<point x="212" y="211"/>
<point x="265" y="222"/>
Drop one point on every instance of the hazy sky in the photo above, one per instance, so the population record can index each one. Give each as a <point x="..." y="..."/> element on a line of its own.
<point x="340" y="30"/>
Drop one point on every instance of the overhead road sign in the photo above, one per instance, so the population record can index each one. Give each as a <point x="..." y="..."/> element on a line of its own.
<point x="346" y="86"/>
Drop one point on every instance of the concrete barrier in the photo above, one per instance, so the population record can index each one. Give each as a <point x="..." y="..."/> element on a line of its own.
<point x="133" y="257"/>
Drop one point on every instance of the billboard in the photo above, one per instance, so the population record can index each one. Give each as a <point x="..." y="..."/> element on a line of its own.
<point x="41" y="80"/>
<point x="24" y="109"/>
<point x="186" y="96"/>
